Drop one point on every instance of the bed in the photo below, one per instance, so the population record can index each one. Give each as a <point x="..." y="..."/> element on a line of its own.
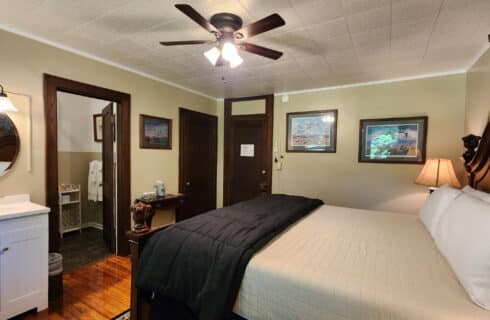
<point x="342" y="263"/>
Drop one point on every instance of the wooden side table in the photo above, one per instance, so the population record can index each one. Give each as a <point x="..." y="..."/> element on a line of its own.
<point x="138" y="239"/>
<point x="167" y="202"/>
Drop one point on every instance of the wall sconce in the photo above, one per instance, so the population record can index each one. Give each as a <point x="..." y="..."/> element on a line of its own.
<point x="5" y="104"/>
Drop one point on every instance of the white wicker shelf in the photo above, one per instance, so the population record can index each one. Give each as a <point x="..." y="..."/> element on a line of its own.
<point x="70" y="205"/>
<point x="69" y="191"/>
<point x="69" y="202"/>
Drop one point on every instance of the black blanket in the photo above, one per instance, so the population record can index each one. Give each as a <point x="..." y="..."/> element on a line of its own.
<point x="200" y="262"/>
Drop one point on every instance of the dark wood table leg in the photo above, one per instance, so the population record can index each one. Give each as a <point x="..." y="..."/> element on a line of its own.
<point x="134" y="249"/>
<point x="178" y="212"/>
<point x="151" y="214"/>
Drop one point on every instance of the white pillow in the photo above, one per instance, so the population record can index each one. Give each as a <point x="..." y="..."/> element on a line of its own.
<point x="435" y="206"/>
<point x="463" y="237"/>
<point x="477" y="193"/>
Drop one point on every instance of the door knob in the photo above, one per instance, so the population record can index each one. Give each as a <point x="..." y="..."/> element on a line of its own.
<point x="264" y="172"/>
<point x="188" y="184"/>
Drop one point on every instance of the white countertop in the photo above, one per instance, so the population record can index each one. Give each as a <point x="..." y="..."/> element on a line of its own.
<point x="19" y="206"/>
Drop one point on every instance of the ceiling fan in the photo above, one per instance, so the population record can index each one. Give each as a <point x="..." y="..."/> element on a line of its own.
<point x="230" y="34"/>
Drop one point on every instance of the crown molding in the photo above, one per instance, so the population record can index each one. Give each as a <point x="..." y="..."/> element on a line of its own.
<point x="478" y="56"/>
<point x="170" y="83"/>
<point x="98" y="59"/>
<point x="370" y="83"/>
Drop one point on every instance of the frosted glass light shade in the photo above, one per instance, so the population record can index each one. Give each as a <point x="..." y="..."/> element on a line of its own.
<point x="212" y="55"/>
<point x="236" y="61"/>
<point x="229" y="51"/>
<point x="5" y="104"/>
<point x="438" y="172"/>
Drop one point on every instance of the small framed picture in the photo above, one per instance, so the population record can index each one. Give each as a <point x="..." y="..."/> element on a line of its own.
<point x="98" y="127"/>
<point x="311" y="131"/>
<point x="155" y="132"/>
<point x="393" y="140"/>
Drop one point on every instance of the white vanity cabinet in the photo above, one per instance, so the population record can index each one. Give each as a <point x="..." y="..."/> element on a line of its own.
<point x="23" y="256"/>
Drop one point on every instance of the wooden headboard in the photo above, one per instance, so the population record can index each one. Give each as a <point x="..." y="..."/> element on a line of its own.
<point x="477" y="159"/>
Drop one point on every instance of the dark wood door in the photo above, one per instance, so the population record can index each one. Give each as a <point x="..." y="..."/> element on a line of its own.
<point x="198" y="161"/>
<point x="108" y="176"/>
<point x="248" y="153"/>
<point x="250" y="167"/>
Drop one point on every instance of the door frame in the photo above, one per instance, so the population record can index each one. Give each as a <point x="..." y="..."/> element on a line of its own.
<point x="53" y="84"/>
<point x="108" y="139"/>
<point x="183" y="111"/>
<point x="228" y="139"/>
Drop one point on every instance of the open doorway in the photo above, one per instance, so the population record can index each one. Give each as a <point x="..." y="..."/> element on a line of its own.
<point x="115" y="110"/>
<point x="87" y="223"/>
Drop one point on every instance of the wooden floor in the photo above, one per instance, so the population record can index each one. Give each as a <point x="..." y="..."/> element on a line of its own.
<point x="97" y="291"/>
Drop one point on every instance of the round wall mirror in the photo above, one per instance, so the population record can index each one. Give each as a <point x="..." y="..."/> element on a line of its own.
<point x="9" y="143"/>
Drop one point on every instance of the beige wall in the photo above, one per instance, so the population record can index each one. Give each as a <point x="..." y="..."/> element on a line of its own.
<point x="478" y="95"/>
<point x="73" y="168"/>
<point x="338" y="178"/>
<point x="248" y="107"/>
<point x="23" y="63"/>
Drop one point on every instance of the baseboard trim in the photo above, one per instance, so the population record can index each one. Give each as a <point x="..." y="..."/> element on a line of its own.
<point x="92" y="225"/>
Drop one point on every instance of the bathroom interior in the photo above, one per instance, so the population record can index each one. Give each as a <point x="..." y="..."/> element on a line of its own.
<point x="80" y="180"/>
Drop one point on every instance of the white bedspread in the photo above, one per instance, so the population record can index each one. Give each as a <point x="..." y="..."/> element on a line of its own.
<point x="341" y="263"/>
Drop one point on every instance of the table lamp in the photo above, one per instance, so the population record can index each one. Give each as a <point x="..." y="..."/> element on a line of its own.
<point x="436" y="173"/>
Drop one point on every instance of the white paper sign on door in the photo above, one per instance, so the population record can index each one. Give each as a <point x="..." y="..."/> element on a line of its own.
<point x="247" y="150"/>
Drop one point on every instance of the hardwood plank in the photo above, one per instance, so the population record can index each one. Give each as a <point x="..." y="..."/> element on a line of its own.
<point x="98" y="291"/>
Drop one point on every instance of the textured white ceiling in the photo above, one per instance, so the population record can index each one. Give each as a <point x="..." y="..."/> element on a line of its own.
<point x="325" y="42"/>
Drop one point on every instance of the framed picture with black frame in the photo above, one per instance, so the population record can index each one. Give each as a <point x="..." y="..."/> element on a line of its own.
<point x="312" y="131"/>
<point x="155" y="132"/>
<point x="393" y="140"/>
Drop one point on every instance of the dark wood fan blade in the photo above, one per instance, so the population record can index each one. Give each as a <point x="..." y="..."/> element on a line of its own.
<point x="261" y="51"/>
<point x="268" y="23"/>
<point x="196" y="16"/>
<point x="178" y="43"/>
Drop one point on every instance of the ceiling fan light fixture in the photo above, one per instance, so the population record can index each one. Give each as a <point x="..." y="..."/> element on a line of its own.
<point x="236" y="61"/>
<point x="229" y="51"/>
<point x="212" y="55"/>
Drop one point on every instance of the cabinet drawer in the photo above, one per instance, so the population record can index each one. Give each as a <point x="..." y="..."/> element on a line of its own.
<point x="23" y="222"/>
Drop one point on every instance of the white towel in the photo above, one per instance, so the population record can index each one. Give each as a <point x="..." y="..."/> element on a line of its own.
<point x="99" y="181"/>
<point x="95" y="181"/>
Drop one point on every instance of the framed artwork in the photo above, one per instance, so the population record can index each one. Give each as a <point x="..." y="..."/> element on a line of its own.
<point x="393" y="140"/>
<point x="155" y="132"/>
<point x="98" y="127"/>
<point x="311" y="131"/>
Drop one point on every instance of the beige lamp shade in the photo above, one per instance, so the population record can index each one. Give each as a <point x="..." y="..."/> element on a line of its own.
<point x="438" y="172"/>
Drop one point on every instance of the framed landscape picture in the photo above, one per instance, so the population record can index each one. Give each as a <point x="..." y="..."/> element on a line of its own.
<point x="311" y="131"/>
<point x="393" y="140"/>
<point x="155" y="132"/>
